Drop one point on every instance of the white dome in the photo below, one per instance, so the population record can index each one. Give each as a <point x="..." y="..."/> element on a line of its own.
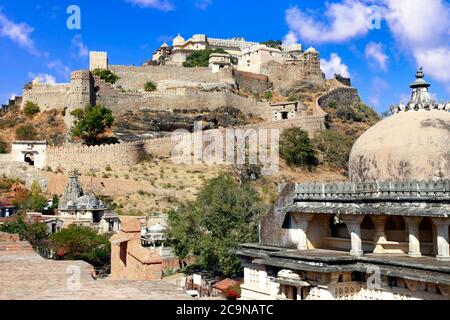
<point x="178" y="41"/>
<point x="87" y="200"/>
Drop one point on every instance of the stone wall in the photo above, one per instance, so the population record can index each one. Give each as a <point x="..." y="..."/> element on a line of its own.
<point x="285" y="73"/>
<point x="255" y="83"/>
<point x="342" y="97"/>
<point x="48" y="96"/>
<point x="93" y="157"/>
<point x="134" y="78"/>
<point x="180" y="99"/>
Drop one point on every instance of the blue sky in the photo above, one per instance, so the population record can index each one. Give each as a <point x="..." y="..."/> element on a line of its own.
<point x="34" y="38"/>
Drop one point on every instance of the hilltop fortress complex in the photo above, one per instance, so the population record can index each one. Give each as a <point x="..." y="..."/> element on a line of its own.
<point x="235" y="79"/>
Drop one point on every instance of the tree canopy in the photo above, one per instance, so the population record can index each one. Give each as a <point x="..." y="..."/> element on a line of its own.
<point x="35" y="233"/>
<point x="273" y="43"/>
<point x="106" y="75"/>
<point x="82" y="243"/>
<point x="224" y="215"/>
<point x="200" y="58"/>
<point x="296" y="148"/>
<point x="91" y="123"/>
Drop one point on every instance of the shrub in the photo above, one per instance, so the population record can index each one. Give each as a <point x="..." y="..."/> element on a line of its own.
<point x="345" y="112"/>
<point x="106" y="75"/>
<point x="335" y="147"/>
<point x="296" y="147"/>
<point x="35" y="233"/>
<point x="26" y="132"/>
<point x="91" y="123"/>
<point x="82" y="243"/>
<point x="268" y="95"/>
<point x="200" y="58"/>
<point x="150" y="86"/>
<point x="31" y="109"/>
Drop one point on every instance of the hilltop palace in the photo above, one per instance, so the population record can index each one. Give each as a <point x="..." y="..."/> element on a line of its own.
<point x="235" y="79"/>
<point x="384" y="235"/>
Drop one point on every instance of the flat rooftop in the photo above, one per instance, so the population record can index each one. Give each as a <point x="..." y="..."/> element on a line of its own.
<point x="24" y="275"/>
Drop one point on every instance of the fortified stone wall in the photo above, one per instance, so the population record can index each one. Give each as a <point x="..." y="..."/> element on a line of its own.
<point x="93" y="157"/>
<point x="134" y="78"/>
<point x="285" y="73"/>
<point x="180" y="99"/>
<point x="48" y="96"/>
<point x="253" y="82"/>
<point x="342" y="96"/>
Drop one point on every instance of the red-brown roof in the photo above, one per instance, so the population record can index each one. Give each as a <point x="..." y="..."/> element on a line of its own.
<point x="225" y="284"/>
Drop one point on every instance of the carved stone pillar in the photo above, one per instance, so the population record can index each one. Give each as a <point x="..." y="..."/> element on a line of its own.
<point x="354" y="228"/>
<point x="379" y="236"/>
<point x="300" y="223"/>
<point x="414" y="243"/>
<point x="442" y="238"/>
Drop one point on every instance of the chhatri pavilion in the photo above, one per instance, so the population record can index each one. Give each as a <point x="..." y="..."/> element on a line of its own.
<point x="382" y="235"/>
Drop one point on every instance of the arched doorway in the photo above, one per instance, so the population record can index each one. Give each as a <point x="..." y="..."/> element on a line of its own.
<point x="29" y="158"/>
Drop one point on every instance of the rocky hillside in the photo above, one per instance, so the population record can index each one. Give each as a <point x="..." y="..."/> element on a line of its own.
<point x="49" y="125"/>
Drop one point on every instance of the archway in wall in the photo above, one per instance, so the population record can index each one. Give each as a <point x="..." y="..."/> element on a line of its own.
<point x="29" y="158"/>
<point x="396" y="229"/>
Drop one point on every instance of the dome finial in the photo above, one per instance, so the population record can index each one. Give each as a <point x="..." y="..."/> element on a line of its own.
<point x="419" y="73"/>
<point x="420" y="81"/>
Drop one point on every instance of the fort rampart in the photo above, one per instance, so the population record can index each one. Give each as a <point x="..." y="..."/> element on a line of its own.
<point x="134" y="78"/>
<point x="93" y="157"/>
<point x="341" y="96"/>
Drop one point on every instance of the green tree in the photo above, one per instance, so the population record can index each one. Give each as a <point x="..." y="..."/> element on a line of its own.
<point x="35" y="233"/>
<point x="224" y="215"/>
<point x="200" y="58"/>
<point x="150" y="86"/>
<point x="26" y="132"/>
<point x="296" y="148"/>
<point x="31" y="109"/>
<point x="273" y="43"/>
<point x="82" y="243"/>
<point x="31" y="200"/>
<point x="91" y="123"/>
<point x="106" y="75"/>
<point x="335" y="147"/>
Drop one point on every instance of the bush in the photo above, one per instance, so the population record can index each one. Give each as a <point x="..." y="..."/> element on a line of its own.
<point x="296" y="147"/>
<point x="106" y="75"/>
<point x="268" y="95"/>
<point x="82" y="243"/>
<point x="346" y="112"/>
<point x="35" y="233"/>
<point x="34" y="200"/>
<point x="91" y="123"/>
<point x="26" y="132"/>
<point x="31" y="109"/>
<point x="150" y="86"/>
<point x="200" y="58"/>
<point x="335" y="147"/>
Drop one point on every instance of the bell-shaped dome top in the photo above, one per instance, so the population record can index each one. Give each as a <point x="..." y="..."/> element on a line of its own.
<point x="412" y="144"/>
<point x="178" y="41"/>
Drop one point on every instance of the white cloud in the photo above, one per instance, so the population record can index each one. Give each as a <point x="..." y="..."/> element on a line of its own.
<point x="60" y="68"/>
<point x="375" y="52"/>
<point x="290" y="38"/>
<point x="202" y="4"/>
<point x="334" y="66"/>
<point x="163" y="5"/>
<point x="81" y="49"/>
<point x="43" y="77"/>
<point x="422" y="28"/>
<point x="344" y="21"/>
<point x="18" y="33"/>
